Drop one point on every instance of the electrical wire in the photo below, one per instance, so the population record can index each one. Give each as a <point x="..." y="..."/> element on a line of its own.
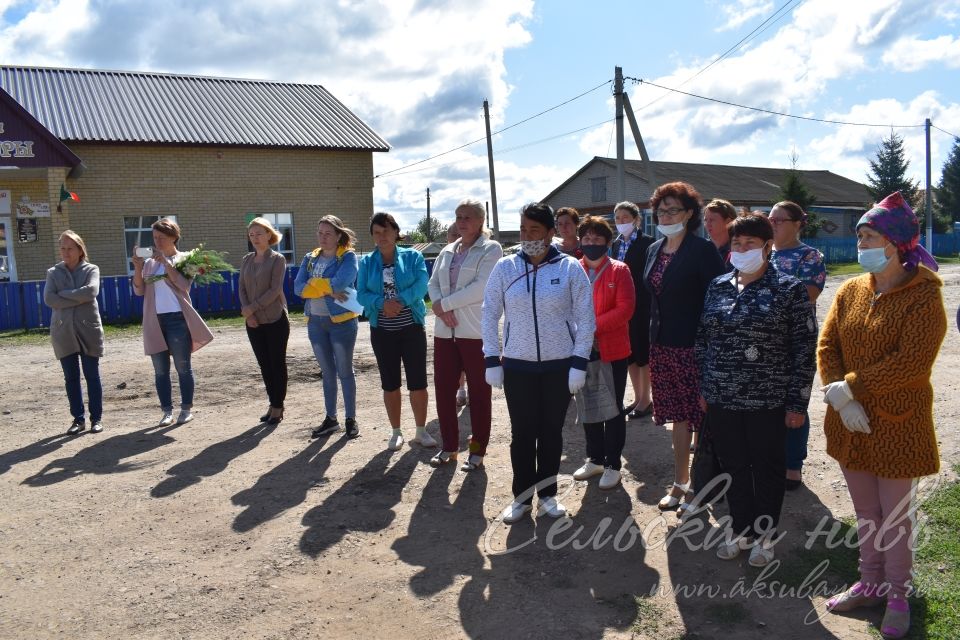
<point x="955" y="137"/>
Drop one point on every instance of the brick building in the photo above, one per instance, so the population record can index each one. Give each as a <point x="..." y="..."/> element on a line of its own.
<point x="134" y="147"/>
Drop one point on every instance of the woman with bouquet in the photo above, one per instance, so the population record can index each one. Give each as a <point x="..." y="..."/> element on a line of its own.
<point x="171" y="326"/>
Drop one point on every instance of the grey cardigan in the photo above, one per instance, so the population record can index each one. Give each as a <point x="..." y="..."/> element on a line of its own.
<point x="75" y="324"/>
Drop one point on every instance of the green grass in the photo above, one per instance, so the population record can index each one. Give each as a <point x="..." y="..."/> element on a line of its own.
<point x="853" y="268"/>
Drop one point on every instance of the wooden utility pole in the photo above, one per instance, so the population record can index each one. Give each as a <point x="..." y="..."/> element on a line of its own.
<point x="618" y="95"/>
<point x="647" y="166"/>
<point x="429" y="232"/>
<point x="928" y="201"/>
<point x="493" y="180"/>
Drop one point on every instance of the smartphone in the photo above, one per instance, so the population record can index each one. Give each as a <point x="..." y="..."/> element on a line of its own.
<point x="144" y="252"/>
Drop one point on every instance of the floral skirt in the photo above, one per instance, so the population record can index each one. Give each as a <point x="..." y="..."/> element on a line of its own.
<point x="675" y="382"/>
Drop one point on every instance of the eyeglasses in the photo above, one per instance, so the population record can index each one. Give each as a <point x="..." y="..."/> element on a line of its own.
<point x="778" y="221"/>
<point x="674" y="211"/>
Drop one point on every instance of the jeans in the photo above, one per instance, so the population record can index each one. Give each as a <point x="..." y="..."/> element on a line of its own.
<point x="173" y="326"/>
<point x="269" y="343"/>
<point x="797" y="444"/>
<point x="91" y="371"/>
<point x="332" y="344"/>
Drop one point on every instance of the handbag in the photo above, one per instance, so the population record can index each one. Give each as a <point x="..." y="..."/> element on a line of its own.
<point x="597" y="400"/>
<point x="706" y="466"/>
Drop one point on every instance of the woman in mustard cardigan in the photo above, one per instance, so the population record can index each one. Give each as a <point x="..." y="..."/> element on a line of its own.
<point x="875" y="356"/>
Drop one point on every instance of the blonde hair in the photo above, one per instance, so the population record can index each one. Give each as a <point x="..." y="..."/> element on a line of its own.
<point x="73" y="235"/>
<point x="275" y="236"/>
<point x="478" y="210"/>
<point x="167" y="227"/>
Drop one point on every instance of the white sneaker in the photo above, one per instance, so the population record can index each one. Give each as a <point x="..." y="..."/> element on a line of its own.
<point x="610" y="478"/>
<point x="552" y="508"/>
<point x="396" y="441"/>
<point x="730" y="550"/>
<point x="515" y="512"/>
<point x="424" y="439"/>
<point x="166" y="419"/>
<point x="588" y="470"/>
<point x="184" y="417"/>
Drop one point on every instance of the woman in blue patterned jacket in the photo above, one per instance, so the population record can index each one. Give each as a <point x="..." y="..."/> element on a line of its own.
<point x="756" y="351"/>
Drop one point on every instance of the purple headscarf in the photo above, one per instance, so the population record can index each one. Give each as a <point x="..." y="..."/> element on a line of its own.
<point x="894" y="218"/>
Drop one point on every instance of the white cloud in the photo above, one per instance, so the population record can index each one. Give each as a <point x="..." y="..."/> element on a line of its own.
<point x="742" y="11"/>
<point x="913" y="54"/>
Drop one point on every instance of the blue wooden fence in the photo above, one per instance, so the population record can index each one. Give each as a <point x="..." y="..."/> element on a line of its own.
<point x="845" y="249"/>
<point x="21" y="303"/>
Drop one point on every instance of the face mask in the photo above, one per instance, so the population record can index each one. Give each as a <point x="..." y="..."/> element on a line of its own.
<point x="873" y="260"/>
<point x="625" y="229"/>
<point x="594" y="251"/>
<point x="747" y="262"/>
<point x="671" y="230"/>
<point x="533" y="248"/>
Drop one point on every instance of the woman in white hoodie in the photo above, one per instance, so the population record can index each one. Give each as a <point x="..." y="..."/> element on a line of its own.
<point x="456" y="289"/>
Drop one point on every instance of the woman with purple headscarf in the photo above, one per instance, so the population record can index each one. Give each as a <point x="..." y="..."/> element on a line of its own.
<point x="875" y="355"/>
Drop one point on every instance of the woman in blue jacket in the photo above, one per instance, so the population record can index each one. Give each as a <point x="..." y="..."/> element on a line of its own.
<point x="323" y="279"/>
<point x="391" y="286"/>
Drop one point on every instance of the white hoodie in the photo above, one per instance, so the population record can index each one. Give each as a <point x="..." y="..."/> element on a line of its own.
<point x="466" y="299"/>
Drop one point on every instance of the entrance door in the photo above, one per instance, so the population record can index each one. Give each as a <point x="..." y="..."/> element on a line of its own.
<point x="8" y="267"/>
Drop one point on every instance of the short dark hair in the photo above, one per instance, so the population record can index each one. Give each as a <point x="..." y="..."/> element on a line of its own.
<point x="383" y="219"/>
<point x="751" y="224"/>
<point x="797" y="214"/>
<point x="688" y="196"/>
<point x="539" y="212"/>
<point x="568" y="211"/>
<point x="597" y="225"/>
<point x="626" y="205"/>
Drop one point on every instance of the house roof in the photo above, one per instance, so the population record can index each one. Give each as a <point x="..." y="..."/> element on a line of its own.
<point x="738" y="184"/>
<point x="83" y="105"/>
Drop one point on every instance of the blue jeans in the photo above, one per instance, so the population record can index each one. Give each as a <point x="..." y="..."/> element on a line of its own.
<point x="333" y="347"/>
<point x="179" y="345"/>
<point x="91" y="371"/>
<point x="797" y="444"/>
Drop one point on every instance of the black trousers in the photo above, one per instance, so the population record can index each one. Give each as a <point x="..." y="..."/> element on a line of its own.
<point x="269" y="342"/>
<point x="751" y="448"/>
<point x="537" y="404"/>
<point x="605" y="440"/>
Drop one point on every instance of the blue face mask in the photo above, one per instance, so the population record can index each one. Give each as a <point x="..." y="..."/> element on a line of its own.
<point x="873" y="260"/>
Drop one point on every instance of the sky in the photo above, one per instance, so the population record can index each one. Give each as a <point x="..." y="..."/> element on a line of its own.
<point x="418" y="71"/>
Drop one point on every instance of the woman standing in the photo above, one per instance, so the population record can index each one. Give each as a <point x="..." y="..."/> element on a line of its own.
<point x="679" y="268"/>
<point x="568" y="219"/>
<point x="876" y="353"/>
<point x="631" y="248"/>
<point x="755" y="347"/>
<point x="794" y="258"/>
<point x="456" y="288"/>
<point x="322" y="281"/>
<point x="264" y="306"/>
<point x="452" y="235"/>
<point x="171" y="326"/>
<point x="75" y="329"/>
<point x="391" y="285"/>
<point x="613" y="303"/>
<point x="545" y="300"/>
<point x="717" y="214"/>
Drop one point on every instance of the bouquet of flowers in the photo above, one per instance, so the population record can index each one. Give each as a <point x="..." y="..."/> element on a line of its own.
<point x="203" y="266"/>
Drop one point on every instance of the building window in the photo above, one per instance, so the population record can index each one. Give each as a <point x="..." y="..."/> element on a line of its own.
<point x="598" y="189"/>
<point x="283" y="223"/>
<point x="137" y="232"/>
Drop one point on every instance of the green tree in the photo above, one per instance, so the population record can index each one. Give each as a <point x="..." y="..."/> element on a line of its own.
<point x="888" y="172"/>
<point x="428" y="231"/>
<point x="947" y="193"/>
<point x="796" y="190"/>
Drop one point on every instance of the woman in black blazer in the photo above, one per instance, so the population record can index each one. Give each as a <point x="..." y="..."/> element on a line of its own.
<point x="631" y="247"/>
<point x="679" y="267"/>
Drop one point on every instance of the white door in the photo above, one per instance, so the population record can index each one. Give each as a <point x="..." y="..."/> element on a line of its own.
<point x="8" y="267"/>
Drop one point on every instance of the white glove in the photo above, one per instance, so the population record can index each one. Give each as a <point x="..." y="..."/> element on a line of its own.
<point x="837" y="394"/>
<point x="494" y="376"/>
<point x="576" y="380"/>
<point x="854" y="417"/>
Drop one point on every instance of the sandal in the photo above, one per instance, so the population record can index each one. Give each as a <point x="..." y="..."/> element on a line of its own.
<point x="853" y="598"/>
<point x="472" y="463"/>
<point x="896" y="619"/>
<point x="671" y="501"/>
<point x="443" y="458"/>
<point x="641" y="413"/>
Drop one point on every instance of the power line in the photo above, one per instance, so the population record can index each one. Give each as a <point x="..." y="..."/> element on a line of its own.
<point x="956" y="137"/>
<point x="775" y="113"/>
<point x="473" y="142"/>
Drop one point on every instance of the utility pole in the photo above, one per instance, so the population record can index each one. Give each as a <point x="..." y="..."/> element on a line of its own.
<point x="429" y="228"/>
<point x="493" y="180"/>
<point x="647" y="167"/>
<point x="618" y="94"/>
<point x="928" y="202"/>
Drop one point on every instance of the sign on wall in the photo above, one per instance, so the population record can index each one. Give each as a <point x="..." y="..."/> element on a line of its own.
<point x="33" y="209"/>
<point x="27" y="229"/>
<point x="4" y="202"/>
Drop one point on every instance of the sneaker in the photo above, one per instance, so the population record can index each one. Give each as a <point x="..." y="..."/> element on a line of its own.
<point x="515" y="511"/>
<point x="166" y="419"/>
<point x="96" y="427"/>
<point x="462" y="400"/>
<point x="443" y="458"/>
<point x="353" y="431"/>
<point x="610" y="478"/>
<point x="424" y="439"/>
<point x="550" y="507"/>
<point x="184" y="417"/>
<point x="896" y="619"/>
<point x="588" y="470"/>
<point x="328" y="426"/>
<point x="76" y="427"/>
<point x="730" y="550"/>
<point x="395" y="442"/>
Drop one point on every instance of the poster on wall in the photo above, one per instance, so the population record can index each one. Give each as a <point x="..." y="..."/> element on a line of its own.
<point x="29" y="209"/>
<point x="27" y="229"/>
<point x="4" y="202"/>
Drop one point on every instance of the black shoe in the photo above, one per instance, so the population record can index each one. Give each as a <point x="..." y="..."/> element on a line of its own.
<point x="277" y="419"/>
<point x="641" y="413"/>
<point x="353" y="430"/>
<point x="266" y="416"/>
<point x="328" y="426"/>
<point x="76" y="427"/>
<point x="792" y="485"/>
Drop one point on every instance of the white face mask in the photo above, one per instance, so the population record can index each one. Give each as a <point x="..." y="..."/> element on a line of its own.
<point x="626" y="229"/>
<point x="671" y="230"/>
<point x="533" y="248"/>
<point x="747" y="262"/>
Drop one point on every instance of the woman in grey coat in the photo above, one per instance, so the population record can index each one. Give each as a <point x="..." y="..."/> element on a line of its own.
<point x="75" y="329"/>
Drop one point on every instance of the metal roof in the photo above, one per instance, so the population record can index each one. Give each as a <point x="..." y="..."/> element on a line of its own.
<point x="82" y="105"/>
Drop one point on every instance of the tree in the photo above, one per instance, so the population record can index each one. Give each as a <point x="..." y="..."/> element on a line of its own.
<point x="888" y="172"/>
<point x="796" y="190"/>
<point x="948" y="191"/>
<point x="428" y="231"/>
